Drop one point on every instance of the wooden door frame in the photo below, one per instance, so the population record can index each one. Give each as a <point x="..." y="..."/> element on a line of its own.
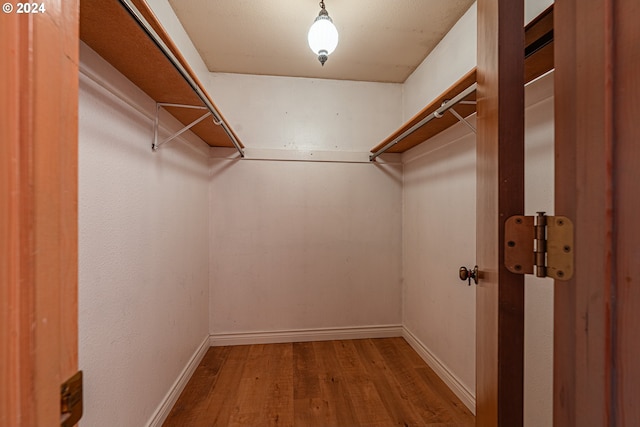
<point x="500" y="194"/>
<point x="596" y="313"/>
<point x="38" y="229"/>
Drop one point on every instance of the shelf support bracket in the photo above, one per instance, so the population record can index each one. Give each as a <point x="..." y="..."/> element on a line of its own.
<point x="151" y="32"/>
<point x="155" y="145"/>
<point x="462" y="119"/>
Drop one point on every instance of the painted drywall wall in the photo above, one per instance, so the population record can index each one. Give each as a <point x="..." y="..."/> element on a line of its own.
<point x="438" y="237"/>
<point x="172" y="25"/>
<point x="454" y="56"/>
<point x="143" y="245"/>
<point x="304" y="245"/>
<point x="299" y="245"/>
<point x="288" y="113"/>
<point x="533" y="8"/>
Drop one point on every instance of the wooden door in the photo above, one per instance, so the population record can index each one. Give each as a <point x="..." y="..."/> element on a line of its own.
<point x="500" y="194"/>
<point x="38" y="218"/>
<point x="597" y="313"/>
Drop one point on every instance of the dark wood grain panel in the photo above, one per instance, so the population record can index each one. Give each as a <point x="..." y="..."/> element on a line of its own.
<point x="596" y="313"/>
<point x="538" y="45"/>
<point x="627" y="206"/>
<point x="499" y="195"/>
<point x="583" y="306"/>
<point x="565" y="112"/>
<point x="538" y="28"/>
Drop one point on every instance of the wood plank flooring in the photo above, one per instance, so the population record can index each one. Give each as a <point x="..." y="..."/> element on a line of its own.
<point x="369" y="382"/>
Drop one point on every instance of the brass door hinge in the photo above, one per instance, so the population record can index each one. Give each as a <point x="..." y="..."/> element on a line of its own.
<point x="71" y="401"/>
<point x="543" y="244"/>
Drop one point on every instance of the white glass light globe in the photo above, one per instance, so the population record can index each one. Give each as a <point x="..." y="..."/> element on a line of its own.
<point x="323" y="35"/>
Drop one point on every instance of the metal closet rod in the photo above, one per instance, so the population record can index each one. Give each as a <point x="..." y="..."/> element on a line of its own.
<point x="436" y="114"/>
<point x="144" y="24"/>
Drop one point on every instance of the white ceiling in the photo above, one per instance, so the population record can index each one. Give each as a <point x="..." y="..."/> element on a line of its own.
<point x="381" y="41"/>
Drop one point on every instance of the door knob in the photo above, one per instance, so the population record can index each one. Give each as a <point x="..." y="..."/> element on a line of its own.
<point x="467" y="274"/>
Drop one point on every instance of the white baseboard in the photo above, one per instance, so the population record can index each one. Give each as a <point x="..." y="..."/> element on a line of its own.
<point x="453" y="382"/>
<point x="301" y="335"/>
<point x="162" y="412"/>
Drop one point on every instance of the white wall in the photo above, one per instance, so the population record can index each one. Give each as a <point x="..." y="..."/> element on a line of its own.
<point x="172" y="25"/>
<point x="301" y="245"/>
<point x="454" y="56"/>
<point x="297" y="244"/>
<point x="304" y="245"/>
<point x="533" y="8"/>
<point x="439" y="223"/>
<point x="308" y="114"/>
<point x="143" y="245"/>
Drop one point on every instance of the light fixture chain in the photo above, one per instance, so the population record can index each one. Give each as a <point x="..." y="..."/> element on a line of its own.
<point x="322" y="4"/>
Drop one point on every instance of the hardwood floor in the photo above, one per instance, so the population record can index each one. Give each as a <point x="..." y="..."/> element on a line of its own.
<point x="370" y="382"/>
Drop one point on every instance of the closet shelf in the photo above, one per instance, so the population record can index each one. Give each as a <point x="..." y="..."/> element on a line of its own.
<point x="538" y="60"/>
<point x="146" y="55"/>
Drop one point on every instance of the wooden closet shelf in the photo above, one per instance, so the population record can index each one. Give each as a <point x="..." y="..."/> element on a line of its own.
<point x="110" y="30"/>
<point x="538" y="60"/>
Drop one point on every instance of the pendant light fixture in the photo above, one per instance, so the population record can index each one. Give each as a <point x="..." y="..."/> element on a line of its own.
<point x="323" y="35"/>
